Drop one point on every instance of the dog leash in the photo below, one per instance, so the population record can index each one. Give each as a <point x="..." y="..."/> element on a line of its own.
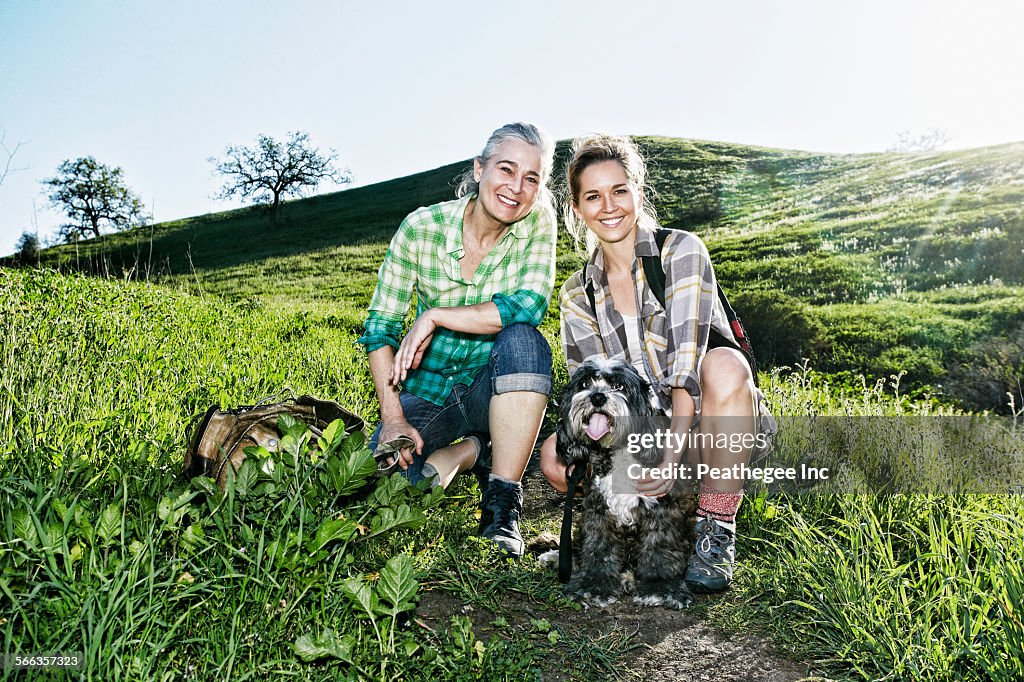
<point x="565" y="539"/>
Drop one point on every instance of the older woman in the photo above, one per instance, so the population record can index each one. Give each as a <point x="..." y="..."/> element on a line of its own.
<point x="473" y="365"/>
<point x="684" y="348"/>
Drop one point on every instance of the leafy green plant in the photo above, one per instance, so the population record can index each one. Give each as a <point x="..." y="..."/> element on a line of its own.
<point x="393" y="596"/>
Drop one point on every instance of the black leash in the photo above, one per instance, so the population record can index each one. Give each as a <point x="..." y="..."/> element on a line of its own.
<point x="565" y="540"/>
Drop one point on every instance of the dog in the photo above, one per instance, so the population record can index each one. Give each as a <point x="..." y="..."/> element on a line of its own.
<point x="625" y="542"/>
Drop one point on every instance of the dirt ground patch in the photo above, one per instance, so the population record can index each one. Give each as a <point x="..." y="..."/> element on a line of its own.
<point x="660" y="644"/>
<point x="665" y="645"/>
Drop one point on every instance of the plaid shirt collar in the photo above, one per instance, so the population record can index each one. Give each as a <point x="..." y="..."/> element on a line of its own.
<point x="454" y="244"/>
<point x="596" y="276"/>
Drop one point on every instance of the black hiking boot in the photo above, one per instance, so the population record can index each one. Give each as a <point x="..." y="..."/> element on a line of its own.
<point x="714" y="556"/>
<point x="499" y="516"/>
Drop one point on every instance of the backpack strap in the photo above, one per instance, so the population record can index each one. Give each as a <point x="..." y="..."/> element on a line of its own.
<point x="654" y="271"/>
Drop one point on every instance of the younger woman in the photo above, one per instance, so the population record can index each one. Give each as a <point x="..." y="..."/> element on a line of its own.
<point x="704" y="388"/>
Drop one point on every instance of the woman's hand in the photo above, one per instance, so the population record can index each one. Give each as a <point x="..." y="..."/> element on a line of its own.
<point x="659" y="487"/>
<point x="415" y="343"/>
<point x="390" y="430"/>
<point x="554" y="469"/>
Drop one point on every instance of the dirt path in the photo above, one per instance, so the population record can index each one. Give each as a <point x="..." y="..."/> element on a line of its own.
<point x="673" y="645"/>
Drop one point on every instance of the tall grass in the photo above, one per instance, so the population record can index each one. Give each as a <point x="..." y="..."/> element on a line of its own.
<point x="104" y="551"/>
<point x="896" y="587"/>
<point x="885" y="586"/>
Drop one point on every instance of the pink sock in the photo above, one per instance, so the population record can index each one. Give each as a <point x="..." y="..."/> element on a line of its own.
<point x="718" y="505"/>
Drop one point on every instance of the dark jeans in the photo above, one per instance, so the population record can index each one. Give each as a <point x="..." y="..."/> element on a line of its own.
<point x="520" y="361"/>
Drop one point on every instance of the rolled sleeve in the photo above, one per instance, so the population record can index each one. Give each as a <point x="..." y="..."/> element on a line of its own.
<point x="687" y="381"/>
<point x="521" y="306"/>
<point x="689" y="306"/>
<point x="380" y="331"/>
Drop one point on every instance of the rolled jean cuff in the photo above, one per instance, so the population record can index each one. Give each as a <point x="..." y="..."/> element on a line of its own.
<point x="523" y="381"/>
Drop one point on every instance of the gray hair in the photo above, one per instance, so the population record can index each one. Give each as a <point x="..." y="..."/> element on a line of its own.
<point x="525" y="132"/>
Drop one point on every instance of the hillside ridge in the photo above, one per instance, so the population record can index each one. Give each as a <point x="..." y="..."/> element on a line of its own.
<point x="871" y="264"/>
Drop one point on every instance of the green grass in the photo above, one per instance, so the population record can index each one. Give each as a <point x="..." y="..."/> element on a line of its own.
<point x="104" y="551"/>
<point x="898" y="587"/>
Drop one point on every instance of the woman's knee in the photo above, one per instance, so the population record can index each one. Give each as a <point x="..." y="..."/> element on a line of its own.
<point x="725" y="374"/>
<point x="522" y="360"/>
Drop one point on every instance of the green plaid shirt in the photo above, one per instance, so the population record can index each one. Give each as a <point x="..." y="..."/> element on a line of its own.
<point x="518" y="274"/>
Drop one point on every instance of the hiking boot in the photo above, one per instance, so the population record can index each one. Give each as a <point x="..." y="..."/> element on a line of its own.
<point x="714" y="554"/>
<point x="500" y="510"/>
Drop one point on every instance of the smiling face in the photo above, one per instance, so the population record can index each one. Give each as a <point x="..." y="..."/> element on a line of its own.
<point x="607" y="202"/>
<point x="509" y="181"/>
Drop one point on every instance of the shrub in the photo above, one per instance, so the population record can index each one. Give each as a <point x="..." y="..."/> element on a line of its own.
<point x="27" y="248"/>
<point x="782" y="329"/>
<point x="993" y="377"/>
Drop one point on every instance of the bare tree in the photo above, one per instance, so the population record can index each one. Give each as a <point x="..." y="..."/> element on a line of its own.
<point x="270" y="170"/>
<point x="8" y="156"/>
<point x="928" y="141"/>
<point x="93" y="196"/>
<point x="26" y="250"/>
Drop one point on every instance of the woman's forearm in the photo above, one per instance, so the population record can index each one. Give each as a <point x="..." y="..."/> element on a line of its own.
<point x="482" y="318"/>
<point x="381" y="362"/>
<point x="683" y="406"/>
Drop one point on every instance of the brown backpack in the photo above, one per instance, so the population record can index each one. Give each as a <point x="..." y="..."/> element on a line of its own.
<point x="223" y="435"/>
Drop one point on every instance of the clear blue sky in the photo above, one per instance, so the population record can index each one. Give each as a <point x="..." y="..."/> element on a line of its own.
<point x="400" y="87"/>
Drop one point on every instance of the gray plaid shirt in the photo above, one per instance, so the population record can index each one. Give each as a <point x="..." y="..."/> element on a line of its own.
<point x="674" y="337"/>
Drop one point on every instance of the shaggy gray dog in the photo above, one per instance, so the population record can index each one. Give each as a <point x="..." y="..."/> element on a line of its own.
<point x="625" y="542"/>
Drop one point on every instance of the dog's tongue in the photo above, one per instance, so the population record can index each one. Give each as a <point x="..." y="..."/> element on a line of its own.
<point x="598" y="426"/>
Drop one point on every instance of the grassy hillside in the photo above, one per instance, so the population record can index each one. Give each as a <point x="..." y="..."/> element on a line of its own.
<point x="873" y="264"/>
<point x="323" y="255"/>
